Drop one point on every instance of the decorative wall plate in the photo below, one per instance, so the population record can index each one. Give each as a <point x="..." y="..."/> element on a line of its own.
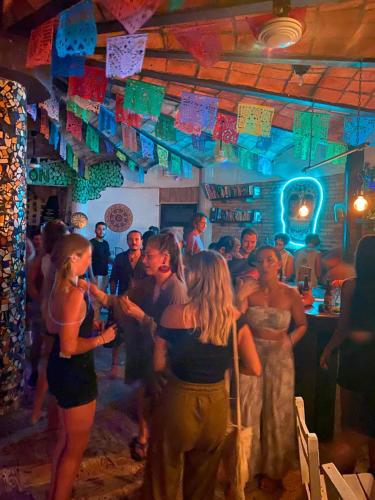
<point x="79" y="220"/>
<point x="118" y="217"/>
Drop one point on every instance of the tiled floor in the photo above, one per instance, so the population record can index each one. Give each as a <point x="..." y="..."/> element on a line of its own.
<point x="107" y="471"/>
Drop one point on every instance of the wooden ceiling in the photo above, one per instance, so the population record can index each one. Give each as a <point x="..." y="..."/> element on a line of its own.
<point x="338" y="36"/>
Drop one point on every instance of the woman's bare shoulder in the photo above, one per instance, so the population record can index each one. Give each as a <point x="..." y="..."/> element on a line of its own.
<point x="173" y="316"/>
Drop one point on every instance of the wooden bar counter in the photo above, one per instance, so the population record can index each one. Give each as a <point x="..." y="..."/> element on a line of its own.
<point x="315" y="385"/>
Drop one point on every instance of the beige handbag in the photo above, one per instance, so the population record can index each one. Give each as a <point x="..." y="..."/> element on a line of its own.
<point x="237" y="446"/>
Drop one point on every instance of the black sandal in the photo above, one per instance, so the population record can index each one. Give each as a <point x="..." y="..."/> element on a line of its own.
<point x="138" y="450"/>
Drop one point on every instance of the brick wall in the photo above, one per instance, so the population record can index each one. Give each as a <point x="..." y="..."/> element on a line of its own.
<point x="269" y="205"/>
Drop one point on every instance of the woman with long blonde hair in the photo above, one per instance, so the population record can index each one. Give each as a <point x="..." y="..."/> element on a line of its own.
<point x="193" y="348"/>
<point x="71" y="372"/>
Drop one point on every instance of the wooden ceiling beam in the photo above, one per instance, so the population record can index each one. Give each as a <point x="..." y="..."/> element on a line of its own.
<point x="239" y="57"/>
<point x="246" y="91"/>
<point x="208" y="14"/>
<point x="24" y="26"/>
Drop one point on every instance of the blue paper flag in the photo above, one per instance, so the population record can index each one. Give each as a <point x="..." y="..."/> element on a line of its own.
<point x="109" y="147"/>
<point x="76" y="34"/>
<point x="81" y="168"/>
<point x="147" y="147"/>
<point x="67" y="66"/>
<point x="141" y="176"/>
<point x="32" y="110"/>
<point x="264" y="165"/>
<point x="187" y="169"/>
<point x="54" y="135"/>
<point x="107" y="121"/>
<point x="198" y="109"/>
<point x="357" y="129"/>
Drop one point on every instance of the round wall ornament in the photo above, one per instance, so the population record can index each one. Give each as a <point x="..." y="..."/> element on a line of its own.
<point x="118" y="217"/>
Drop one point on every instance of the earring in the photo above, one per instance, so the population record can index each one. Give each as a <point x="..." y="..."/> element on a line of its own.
<point x="164" y="268"/>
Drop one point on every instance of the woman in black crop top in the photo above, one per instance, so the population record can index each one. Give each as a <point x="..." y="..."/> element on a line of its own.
<point x="193" y="347"/>
<point x="71" y="373"/>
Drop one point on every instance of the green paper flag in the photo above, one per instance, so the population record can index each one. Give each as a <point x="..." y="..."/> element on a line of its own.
<point x="132" y="165"/>
<point x="69" y="155"/>
<point x="175" y="5"/>
<point x="165" y="128"/>
<point x="175" y="168"/>
<point x="92" y="139"/>
<point x="334" y="149"/>
<point x="309" y="129"/>
<point x="163" y="155"/>
<point x="143" y="98"/>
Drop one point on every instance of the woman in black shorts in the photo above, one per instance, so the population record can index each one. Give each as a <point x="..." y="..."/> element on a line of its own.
<point x="356" y="377"/>
<point x="71" y="372"/>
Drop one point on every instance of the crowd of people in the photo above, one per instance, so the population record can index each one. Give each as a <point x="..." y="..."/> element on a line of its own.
<point x="176" y="308"/>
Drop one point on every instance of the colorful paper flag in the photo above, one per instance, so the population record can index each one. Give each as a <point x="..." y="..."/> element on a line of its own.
<point x="187" y="128"/>
<point x="143" y="98"/>
<point x="92" y="85"/>
<point x="357" y="129"/>
<point x="76" y="34"/>
<point x="226" y="129"/>
<point x="141" y="175"/>
<point x="129" y="138"/>
<point x="309" y="129"/>
<point x="124" y="55"/>
<point x="62" y="151"/>
<point x="187" y="170"/>
<point x="44" y="123"/>
<point x="74" y="125"/>
<point x="334" y="149"/>
<point x="67" y="66"/>
<point x="107" y="121"/>
<point x="52" y="106"/>
<point x="54" y="135"/>
<point x="198" y="109"/>
<point x="92" y="139"/>
<point x="175" y="166"/>
<point x="40" y="44"/>
<point x="254" y="120"/>
<point x="32" y="110"/>
<point x="165" y="128"/>
<point x="163" y="155"/>
<point x="202" y="41"/>
<point x="131" y="14"/>
<point x="147" y="147"/>
<point x="109" y="147"/>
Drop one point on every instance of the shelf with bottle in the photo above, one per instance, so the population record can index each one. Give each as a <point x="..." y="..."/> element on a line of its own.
<point x="235" y="216"/>
<point x="231" y="191"/>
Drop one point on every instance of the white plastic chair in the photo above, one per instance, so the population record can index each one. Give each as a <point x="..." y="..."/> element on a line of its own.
<point x="348" y="486"/>
<point x="308" y="449"/>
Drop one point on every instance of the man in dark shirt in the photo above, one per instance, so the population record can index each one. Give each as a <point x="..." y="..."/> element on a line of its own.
<point x="127" y="269"/>
<point x="100" y="261"/>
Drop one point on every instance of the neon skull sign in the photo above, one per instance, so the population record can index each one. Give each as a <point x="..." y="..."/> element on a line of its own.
<point x="309" y="191"/>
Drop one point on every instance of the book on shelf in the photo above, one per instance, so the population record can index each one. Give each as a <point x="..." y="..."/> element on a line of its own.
<point x="230" y="216"/>
<point x="227" y="191"/>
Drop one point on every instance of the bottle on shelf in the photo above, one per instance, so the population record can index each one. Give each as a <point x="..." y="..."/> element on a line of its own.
<point x="328" y="297"/>
<point x="306" y="286"/>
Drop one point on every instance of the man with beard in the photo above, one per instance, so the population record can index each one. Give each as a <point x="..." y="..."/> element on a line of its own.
<point x="127" y="269"/>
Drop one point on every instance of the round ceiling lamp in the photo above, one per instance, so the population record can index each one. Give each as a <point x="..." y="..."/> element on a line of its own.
<point x="280" y="32"/>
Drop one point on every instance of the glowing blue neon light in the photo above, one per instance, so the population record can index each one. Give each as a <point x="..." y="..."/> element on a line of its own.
<point x="315" y="220"/>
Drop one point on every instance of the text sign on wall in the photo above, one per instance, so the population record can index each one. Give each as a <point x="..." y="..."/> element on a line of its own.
<point x="54" y="174"/>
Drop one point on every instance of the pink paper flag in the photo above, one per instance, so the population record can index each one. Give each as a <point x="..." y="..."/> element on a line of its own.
<point x="132" y="14"/>
<point x="74" y="125"/>
<point x="203" y="43"/>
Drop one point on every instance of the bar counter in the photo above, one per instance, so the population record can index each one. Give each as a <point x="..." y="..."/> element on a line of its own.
<point x="315" y="385"/>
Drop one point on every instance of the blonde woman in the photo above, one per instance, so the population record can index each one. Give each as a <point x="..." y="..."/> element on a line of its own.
<point x="194" y="348"/>
<point x="71" y="372"/>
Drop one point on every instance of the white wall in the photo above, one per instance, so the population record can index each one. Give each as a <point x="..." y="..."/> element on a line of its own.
<point x="142" y="199"/>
